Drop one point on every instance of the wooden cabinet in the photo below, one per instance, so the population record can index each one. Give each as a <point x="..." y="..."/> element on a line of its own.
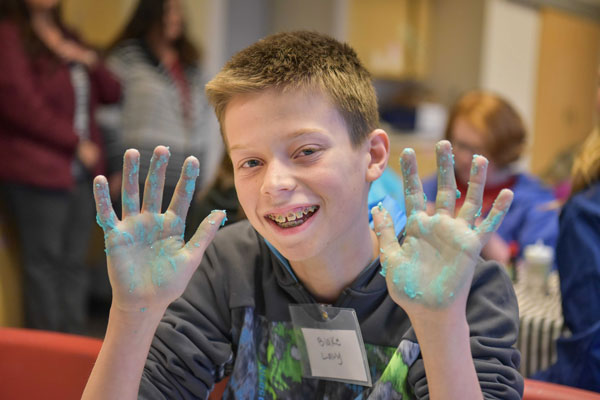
<point x="567" y="82"/>
<point x="390" y="36"/>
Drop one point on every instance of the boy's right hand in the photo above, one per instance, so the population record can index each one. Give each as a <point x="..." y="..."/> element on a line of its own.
<point x="149" y="264"/>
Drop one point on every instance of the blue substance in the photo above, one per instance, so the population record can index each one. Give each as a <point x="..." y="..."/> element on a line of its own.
<point x="153" y="184"/>
<point x="156" y="229"/>
<point x="135" y="167"/>
<point x="160" y="220"/>
<point x="191" y="171"/>
<point x="224" y="219"/>
<point x="161" y="160"/>
<point x="492" y="225"/>
<point x="378" y="233"/>
<point x="474" y="167"/>
<point x="458" y="194"/>
<point x="139" y="230"/>
<point x="384" y="267"/>
<point x="409" y="278"/>
<point x="478" y="213"/>
<point x="152" y="233"/>
<point x="128" y="236"/>
<point x="105" y="224"/>
<point x="143" y="309"/>
<point x="438" y="285"/>
<point x="157" y="274"/>
<point x="422" y="228"/>
<point x="128" y="201"/>
<point x="380" y="206"/>
<point x="406" y="168"/>
<point x="424" y="197"/>
<point x="153" y="178"/>
<point x="176" y="222"/>
<point x="172" y="262"/>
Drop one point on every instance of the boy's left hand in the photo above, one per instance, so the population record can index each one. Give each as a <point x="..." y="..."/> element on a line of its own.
<point x="433" y="268"/>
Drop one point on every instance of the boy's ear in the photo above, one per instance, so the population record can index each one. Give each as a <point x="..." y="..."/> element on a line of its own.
<point x="379" y="151"/>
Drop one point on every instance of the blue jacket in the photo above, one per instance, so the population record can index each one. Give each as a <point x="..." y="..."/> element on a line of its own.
<point x="528" y="220"/>
<point x="578" y="261"/>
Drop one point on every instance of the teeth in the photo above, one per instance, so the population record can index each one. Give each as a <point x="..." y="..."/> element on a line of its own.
<point x="292" y="216"/>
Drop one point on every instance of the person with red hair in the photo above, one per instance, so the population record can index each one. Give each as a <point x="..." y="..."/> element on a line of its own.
<point x="483" y="123"/>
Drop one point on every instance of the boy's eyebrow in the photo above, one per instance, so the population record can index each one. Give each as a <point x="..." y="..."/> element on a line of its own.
<point x="292" y="135"/>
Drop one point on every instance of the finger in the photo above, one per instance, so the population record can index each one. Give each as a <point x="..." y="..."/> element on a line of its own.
<point x="105" y="215"/>
<point x="206" y="232"/>
<point x="494" y="218"/>
<point x="413" y="191"/>
<point x="155" y="181"/>
<point x="184" y="191"/>
<point x="384" y="229"/>
<point x="130" y="188"/>
<point x="471" y="209"/>
<point x="446" y="182"/>
<point x="419" y="224"/>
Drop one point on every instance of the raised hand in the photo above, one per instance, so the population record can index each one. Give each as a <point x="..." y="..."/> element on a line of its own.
<point x="434" y="266"/>
<point x="149" y="265"/>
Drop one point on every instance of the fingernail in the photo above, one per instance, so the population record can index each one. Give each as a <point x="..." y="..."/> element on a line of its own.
<point x="224" y="218"/>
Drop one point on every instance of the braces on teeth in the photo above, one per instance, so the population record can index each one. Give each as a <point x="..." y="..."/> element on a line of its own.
<point x="292" y="216"/>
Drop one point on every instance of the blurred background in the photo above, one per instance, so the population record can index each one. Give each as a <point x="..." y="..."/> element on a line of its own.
<point x="541" y="55"/>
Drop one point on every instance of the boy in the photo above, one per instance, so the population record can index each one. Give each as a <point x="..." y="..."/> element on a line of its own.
<point x="299" y="118"/>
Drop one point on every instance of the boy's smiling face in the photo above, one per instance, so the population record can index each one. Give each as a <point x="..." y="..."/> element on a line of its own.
<point x="301" y="183"/>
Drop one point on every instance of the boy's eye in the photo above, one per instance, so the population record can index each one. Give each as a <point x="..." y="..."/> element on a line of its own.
<point x="306" y="152"/>
<point x="251" y="164"/>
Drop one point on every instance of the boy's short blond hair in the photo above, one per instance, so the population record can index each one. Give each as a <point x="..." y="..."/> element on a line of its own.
<point x="301" y="61"/>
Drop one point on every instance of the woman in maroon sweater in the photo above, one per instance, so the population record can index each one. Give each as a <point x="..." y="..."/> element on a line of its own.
<point x="50" y="147"/>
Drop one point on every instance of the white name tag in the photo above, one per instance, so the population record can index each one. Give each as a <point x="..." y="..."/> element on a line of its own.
<point x="330" y="343"/>
<point x="334" y="354"/>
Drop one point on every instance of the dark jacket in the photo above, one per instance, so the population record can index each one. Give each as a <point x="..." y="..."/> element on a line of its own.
<point x="233" y="319"/>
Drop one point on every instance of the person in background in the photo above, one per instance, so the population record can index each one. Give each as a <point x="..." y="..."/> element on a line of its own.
<point x="578" y="262"/>
<point x="50" y="147"/>
<point x="484" y="123"/>
<point x="163" y="92"/>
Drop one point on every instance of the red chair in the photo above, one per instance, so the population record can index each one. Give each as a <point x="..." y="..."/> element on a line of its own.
<point x="44" y="365"/>
<point x="537" y="390"/>
<point x="217" y="393"/>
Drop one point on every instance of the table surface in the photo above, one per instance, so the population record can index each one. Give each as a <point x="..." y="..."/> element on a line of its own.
<point x="541" y="323"/>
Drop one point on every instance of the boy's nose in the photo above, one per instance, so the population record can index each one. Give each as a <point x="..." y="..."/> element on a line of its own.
<point x="278" y="179"/>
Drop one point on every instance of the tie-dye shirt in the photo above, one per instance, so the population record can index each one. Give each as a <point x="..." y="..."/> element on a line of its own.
<point x="233" y="320"/>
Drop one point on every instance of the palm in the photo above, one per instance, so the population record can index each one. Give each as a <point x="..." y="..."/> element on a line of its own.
<point x="432" y="263"/>
<point x="435" y="263"/>
<point x="145" y="261"/>
<point x="148" y="262"/>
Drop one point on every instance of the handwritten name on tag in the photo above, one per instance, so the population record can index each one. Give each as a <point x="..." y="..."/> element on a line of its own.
<point x="334" y="353"/>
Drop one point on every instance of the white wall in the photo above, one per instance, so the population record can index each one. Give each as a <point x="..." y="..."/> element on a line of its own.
<point x="509" y="59"/>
